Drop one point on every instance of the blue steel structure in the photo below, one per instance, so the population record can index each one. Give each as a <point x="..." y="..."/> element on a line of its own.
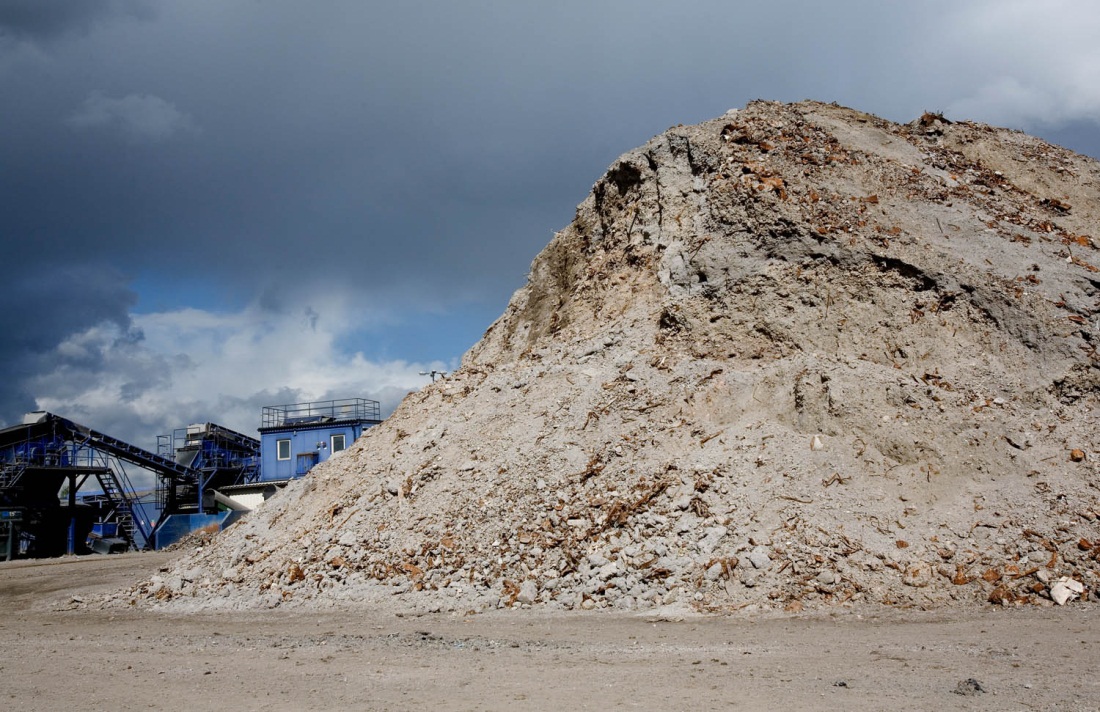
<point x="217" y="457"/>
<point x="215" y="454"/>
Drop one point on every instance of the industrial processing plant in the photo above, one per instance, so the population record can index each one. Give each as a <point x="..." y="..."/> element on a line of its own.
<point x="65" y="489"/>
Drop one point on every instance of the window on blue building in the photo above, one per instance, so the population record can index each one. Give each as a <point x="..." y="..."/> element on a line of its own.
<point x="338" y="443"/>
<point x="282" y="449"/>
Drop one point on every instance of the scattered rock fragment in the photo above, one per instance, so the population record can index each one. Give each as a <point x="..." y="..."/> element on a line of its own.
<point x="1064" y="589"/>
<point x="969" y="687"/>
<point x="528" y="592"/>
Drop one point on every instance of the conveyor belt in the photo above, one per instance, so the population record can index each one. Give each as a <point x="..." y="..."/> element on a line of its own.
<point x="50" y="425"/>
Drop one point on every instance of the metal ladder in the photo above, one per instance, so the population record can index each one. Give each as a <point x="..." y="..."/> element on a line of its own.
<point x="10" y="472"/>
<point x="117" y="498"/>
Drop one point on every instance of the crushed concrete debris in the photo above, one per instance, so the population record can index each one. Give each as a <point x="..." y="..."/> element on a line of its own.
<point x="969" y="687"/>
<point x="916" y="302"/>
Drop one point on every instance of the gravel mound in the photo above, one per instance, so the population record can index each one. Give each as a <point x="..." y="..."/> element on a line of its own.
<point x="792" y="357"/>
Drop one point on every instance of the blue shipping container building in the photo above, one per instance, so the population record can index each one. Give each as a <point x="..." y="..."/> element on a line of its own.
<point x="295" y="437"/>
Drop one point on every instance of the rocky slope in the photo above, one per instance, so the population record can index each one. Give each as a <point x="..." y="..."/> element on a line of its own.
<point x="794" y="356"/>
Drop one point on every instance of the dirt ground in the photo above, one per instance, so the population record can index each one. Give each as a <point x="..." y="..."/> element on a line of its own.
<point x="61" y="654"/>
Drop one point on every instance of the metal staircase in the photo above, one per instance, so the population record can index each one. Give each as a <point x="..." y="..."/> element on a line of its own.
<point x="10" y="472"/>
<point x="116" y="495"/>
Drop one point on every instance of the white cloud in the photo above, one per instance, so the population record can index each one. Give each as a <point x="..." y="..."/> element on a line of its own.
<point x="179" y="367"/>
<point x="1024" y="63"/>
<point x="138" y="117"/>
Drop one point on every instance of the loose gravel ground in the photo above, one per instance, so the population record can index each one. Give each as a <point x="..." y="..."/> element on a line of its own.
<point x="61" y="654"/>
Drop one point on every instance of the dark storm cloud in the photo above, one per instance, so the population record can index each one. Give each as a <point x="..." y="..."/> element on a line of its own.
<point x="44" y="19"/>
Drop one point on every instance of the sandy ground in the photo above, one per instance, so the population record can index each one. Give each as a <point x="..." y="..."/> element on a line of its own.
<point x="60" y="655"/>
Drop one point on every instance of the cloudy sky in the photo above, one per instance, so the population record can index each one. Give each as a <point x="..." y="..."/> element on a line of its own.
<point x="213" y="205"/>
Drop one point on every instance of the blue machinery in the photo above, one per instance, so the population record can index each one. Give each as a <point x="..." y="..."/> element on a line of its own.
<point x="214" y="455"/>
<point x="64" y="487"/>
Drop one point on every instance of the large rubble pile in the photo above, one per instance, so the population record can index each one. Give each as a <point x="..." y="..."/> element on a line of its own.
<point x="794" y="356"/>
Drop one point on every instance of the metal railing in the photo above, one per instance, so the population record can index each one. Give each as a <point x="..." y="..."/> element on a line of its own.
<point x="274" y="416"/>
